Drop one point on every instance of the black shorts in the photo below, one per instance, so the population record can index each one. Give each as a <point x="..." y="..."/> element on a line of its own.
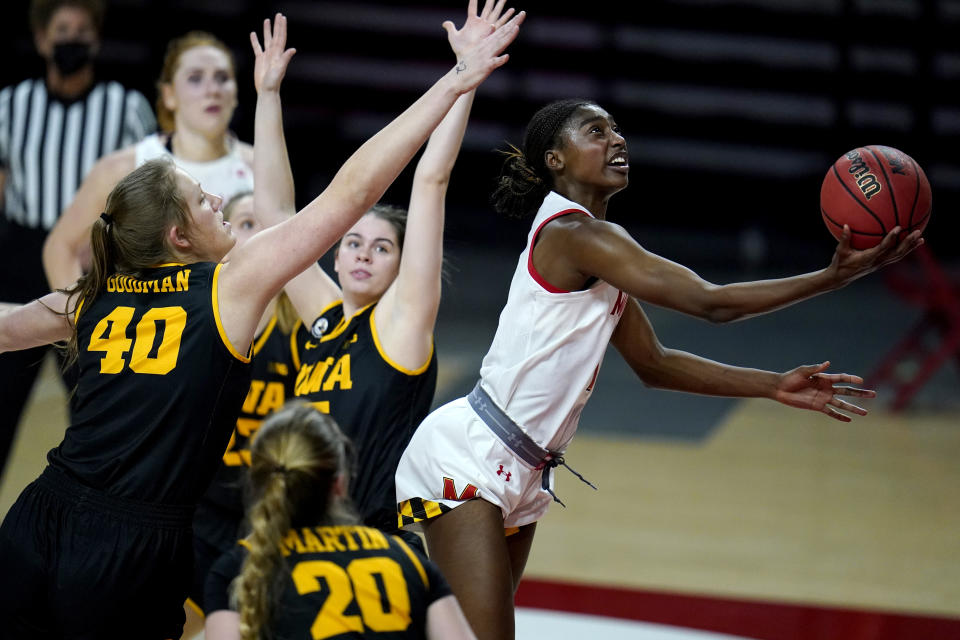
<point x="78" y="563"/>
<point x="204" y="555"/>
<point x="216" y="530"/>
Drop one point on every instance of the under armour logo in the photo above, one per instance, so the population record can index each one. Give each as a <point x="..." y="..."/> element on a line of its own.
<point x="506" y="474"/>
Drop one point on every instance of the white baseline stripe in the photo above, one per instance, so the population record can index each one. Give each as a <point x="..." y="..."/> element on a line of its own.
<point x="534" y="624"/>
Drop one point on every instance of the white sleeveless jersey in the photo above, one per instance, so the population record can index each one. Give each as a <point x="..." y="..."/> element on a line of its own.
<point x="549" y="344"/>
<point x="225" y="177"/>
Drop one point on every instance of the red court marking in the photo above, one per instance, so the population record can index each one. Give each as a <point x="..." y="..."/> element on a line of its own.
<point x="751" y="618"/>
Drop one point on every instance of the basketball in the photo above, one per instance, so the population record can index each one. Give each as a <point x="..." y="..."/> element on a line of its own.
<point x="873" y="189"/>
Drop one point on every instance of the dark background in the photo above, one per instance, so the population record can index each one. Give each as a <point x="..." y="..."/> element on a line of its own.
<point x="733" y="111"/>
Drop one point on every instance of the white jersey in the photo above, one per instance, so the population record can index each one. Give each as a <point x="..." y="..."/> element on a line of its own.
<point x="225" y="177"/>
<point x="546" y="354"/>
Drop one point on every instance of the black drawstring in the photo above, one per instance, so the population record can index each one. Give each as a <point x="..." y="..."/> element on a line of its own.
<point x="517" y="440"/>
<point x="551" y="463"/>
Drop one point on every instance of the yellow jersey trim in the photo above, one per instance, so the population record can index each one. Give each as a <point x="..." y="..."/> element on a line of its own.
<point x="337" y="330"/>
<point x="328" y="306"/>
<point x="264" y="335"/>
<point x="344" y="321"/>
<point x="216" y="316"/>
<point x="195" y="608"/>
<point x="169" y="264"/>
<point x="386" y="358"/>
<point x="415" y="560"/>
<point x="76" y="312"/>
<point x="294" y="351"/>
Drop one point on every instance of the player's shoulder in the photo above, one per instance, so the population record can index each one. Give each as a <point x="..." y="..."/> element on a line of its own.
<point x="578" y="225"/>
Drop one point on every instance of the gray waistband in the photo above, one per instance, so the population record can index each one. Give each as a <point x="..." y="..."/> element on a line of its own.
<point x="506" y="429"/>
<point x="517" y="440"/>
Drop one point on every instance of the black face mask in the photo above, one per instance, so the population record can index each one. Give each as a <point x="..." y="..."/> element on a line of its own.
<point x="70" y="57"/>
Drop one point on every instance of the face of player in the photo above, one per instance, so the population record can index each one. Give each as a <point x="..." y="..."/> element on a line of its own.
<point x="203" y="93"/>
<point x="68" y="26"/>
<point x="243" y="224"/>
<point x="210" y="235"/>
<point x="368" y="259"/>
<point x="242" y="221"/>
<point x="594" y="153"/>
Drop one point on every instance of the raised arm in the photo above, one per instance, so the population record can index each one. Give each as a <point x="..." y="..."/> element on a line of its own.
<point x="267" y="261"/>
<point x="273" y="197"/>
<point x="582" y="247"/>
<point x="68" y="244"/>
<point x="23" y="326"/>
<point x="806" y="387"/>
<point x="407" y="312"/>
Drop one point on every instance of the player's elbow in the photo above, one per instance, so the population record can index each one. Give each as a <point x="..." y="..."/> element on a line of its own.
<point x="53" y="250"/>
<point x="714" y="306"/>
<point x="722" y="315"/>
<point x="57" y="253"/>
<point x="434" y="179"/>
<point x="353" y="189"/>
<point x="651" y="367"/>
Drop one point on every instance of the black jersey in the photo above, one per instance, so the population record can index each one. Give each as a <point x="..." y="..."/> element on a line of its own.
<point x="159" y="387"/>
<point x="340" y="583"/>
<point x="376" y="402"/>
<point x="273" y="370"/>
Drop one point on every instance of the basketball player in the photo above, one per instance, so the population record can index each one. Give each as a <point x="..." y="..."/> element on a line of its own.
<point x="575" y="289"/>
<point x="308" y="564"/>
<point x="52" y="130"/>
<point x="197" y="95"/>
<point x="273" y="366"/>
<point x="370" y="360"/>
<point x="101" y="544"/>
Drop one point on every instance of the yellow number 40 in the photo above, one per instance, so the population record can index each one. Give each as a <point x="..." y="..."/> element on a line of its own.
<point x="357" y="581"/>
<point x="110" y="337"/>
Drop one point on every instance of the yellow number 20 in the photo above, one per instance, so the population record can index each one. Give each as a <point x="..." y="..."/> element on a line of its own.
<point x="145" y="357"/>
<point x="358" y="582"/>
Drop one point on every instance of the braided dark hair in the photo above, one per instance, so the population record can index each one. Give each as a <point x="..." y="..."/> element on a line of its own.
<point x="524" y="178"/>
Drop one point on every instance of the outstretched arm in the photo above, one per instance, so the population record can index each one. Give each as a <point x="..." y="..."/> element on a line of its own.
<point x="273" y="197"/>
<point x="68" y="244"/>
<point x="23" y="326"/>
<point x="595" y="248"/>
<point x="806" y="387"/>
<point x="407" y="312"/>
<point x="267" y="261"/>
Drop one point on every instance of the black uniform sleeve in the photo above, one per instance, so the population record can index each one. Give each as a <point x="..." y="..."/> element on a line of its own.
<point x="438" y="584"/>
<point x="217" y="591"/>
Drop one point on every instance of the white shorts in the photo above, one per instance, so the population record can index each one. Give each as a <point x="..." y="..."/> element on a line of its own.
<point x="454" y="457"/>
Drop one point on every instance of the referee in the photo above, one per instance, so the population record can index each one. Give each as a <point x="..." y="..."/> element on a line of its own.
<point x="52" y="130"/>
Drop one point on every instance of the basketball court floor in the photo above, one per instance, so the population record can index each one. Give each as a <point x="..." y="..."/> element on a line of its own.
<point x="717" y="518"/>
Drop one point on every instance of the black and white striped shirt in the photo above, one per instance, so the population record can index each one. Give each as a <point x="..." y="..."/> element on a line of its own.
<point x="48" y="145"/>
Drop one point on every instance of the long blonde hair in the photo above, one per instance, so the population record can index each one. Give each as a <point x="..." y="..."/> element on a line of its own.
<point x="171" y="60"/>
<point x="131" y="234"/>
<point x="295" y="459"/>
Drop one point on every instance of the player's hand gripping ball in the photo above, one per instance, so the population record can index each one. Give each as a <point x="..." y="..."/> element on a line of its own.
<point x="874" y="189"/>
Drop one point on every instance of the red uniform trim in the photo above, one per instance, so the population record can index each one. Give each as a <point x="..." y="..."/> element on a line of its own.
<point x="533" y="241"/>
<point x="750" y="618"/>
